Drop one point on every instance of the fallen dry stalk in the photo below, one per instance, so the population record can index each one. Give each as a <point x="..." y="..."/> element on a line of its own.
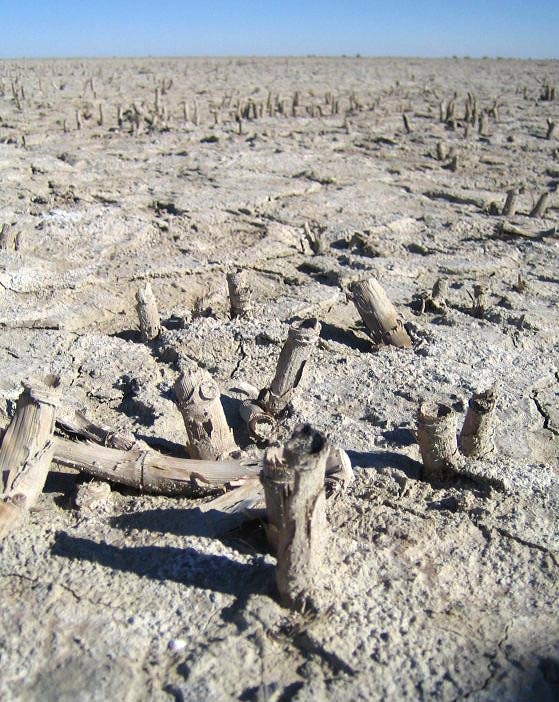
<point x="148" y="470"/>
<point x="27" y="450"/>
<point x="78" y="424"/>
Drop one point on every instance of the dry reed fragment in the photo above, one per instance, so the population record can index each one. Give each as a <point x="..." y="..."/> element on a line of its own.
<point x="148" y="315"/>
<point x="379" y="314"/>
<point x="476" y="437"/>
<point x="436" y="435"/>
<point x="198" y="399"/>
<point x="301" y="340"/>
<point x="293" y="479"/>
<point x="27" y="450"/>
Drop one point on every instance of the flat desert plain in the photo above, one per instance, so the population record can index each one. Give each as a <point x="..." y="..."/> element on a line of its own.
<point x="309" y="174"/>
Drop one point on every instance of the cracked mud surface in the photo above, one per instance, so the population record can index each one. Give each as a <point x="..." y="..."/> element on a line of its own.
<point x="438" y="592"/>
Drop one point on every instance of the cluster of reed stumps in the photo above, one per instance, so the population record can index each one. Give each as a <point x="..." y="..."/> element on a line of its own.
<point x="156" y="114"/>
<point x="291" y="480"/>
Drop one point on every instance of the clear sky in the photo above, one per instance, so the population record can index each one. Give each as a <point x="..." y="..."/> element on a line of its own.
<point x="521" y="28"/>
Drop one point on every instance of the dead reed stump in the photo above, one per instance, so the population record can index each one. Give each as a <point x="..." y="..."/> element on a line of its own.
<point x="436" y="435"/>
<point x="509" y="209"/>
<point x="261" y="425"/>
<point x="293" y="479"/>
<point x="301" y="339"/>
<point x="541" y="206"/>
<point x="379" y="314"/>
<point x="148" y="315"/>
<point x="240" y="294"/>
<point x="27" y="450"/>
<point x="476" y="437"/>
<point x="198" y="399"/>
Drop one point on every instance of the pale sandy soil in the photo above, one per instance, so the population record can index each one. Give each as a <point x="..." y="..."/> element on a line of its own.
<point x="438" y="592"/>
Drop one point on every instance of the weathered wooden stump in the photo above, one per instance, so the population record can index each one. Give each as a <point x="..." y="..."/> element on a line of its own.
<point x="379" y="314"/>
<point x="476" y="437"/>
<point x="436" y="435"/>
<point x="198" y="399"/>
<point x="27" y="450"/>
<point x="301" y="339"/>
<point x="148" y="315"/>
<point x="293" y="479"/>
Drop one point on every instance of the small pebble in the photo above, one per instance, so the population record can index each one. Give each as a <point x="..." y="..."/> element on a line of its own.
<point x="176" y="645"/>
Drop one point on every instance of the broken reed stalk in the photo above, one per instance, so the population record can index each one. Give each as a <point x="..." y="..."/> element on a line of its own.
<point x="379" y="314"/>
<point x="8" y="238"/>
<point x="476" y="437"/>
<point x="78" y="424"/>
<point x="509" y="208"/>
<point x="439" y="295"/>
<point x="315" y="238"/>
<point x="27" y="450"/>
<point x="301" y="340"/>
<point x="147" y="469"/>
<point x="198" y="399"/>
<point x="240" y="293"/>
<point x="293" y="479"/>
<point x="406" y="121"/>
<point x="436" y="435"/>
<point x="233" y="508"/>
<point x="261" y="425"/>
<point x="541" y="206"/>
<point x="148" y="315"/>
<point x="480" y="300"/>
<point x="442" y="151"/>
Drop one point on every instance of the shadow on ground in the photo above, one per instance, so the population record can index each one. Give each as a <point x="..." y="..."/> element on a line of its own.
<point x="183" y="565"/>
<point x="386" y="459"/>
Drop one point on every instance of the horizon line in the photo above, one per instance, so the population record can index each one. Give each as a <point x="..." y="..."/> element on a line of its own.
<point x="355" y="56"/>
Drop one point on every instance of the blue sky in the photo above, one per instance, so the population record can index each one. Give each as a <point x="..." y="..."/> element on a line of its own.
<point x="251" y="27"/>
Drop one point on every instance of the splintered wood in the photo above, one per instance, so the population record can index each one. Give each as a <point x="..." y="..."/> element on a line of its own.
<point x="301" y="339"/>
<point x="198" y="399"/>
<point x="379" y="314"/>
<point x="293" y="479"/>
<point x="27" y="450"/>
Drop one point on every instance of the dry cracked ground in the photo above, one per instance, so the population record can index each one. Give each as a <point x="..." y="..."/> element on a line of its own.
<point x="117" y="172"/>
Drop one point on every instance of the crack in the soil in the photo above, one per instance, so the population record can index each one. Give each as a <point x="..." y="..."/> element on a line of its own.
<point x="541" y="409"/>
<point x="492" y="667"/>
<point x="243" y="354"/>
